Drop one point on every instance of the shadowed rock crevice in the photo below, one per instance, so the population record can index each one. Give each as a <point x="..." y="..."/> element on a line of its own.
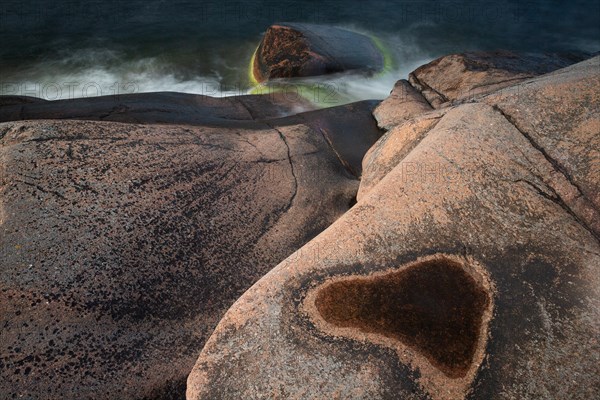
<point x="431" y="95"/>
<point x="346" y="165"/>
<point x="434" y="306"/>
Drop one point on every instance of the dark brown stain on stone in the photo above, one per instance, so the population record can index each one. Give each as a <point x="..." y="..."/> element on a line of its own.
<point x="282" y="53"/>
<point x="434" y="306"/>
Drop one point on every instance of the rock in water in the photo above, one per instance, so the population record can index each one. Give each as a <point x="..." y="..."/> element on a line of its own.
<point x="291" y="50"/>
<point x="469" y="268"/>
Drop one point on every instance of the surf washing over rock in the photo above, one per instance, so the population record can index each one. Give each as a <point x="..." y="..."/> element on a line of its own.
<point x="204" y="47"/>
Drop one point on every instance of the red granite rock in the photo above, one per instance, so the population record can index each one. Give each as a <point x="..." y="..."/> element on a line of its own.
<point x="290" y="50"/>
<point x="123" y="244"/>
<point x="465" y="76"/>
<point x="470" y="270"/>
<point x="403" y="103"/>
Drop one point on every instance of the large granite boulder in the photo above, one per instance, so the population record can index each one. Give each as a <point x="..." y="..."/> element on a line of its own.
<point x="122" y="244"/>
<point x="475" y="273"/>
<point x="462" y="77"/>
<point x="290" y="50"/>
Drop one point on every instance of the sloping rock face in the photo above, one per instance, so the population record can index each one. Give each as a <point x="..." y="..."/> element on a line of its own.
<point x="345" y="128"/>
<point x="156" y="108"/>
<point x="473" y="273"/>
<point x="403" y="103"/>
<point x="559" y="117"/>
<point x="123" y="245"/>
<point x="393" y="147"/>
<point x="290" y="50"/>
<point x="462" y="77"/>
<point x="14" y="100"/>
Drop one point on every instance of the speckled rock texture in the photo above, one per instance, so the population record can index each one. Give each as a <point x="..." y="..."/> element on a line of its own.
<point x="462" y="77"/>
<point x="471" y="269"/>
<point x="122" y="245"/>
<point x="290" y="50"/>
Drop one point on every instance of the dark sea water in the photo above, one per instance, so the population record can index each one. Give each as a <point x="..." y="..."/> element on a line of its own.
<point x="66" y="48"/>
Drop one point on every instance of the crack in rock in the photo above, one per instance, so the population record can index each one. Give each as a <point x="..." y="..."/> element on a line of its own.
<point x="556" y="197"/>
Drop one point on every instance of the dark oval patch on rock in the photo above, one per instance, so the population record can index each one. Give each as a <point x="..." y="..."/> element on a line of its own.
<point x="291" y="50"/>
<point x="434" y="306"/>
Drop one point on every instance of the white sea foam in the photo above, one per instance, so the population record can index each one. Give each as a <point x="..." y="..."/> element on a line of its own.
<point x="58" y="84"/>
<point x="97" y="72"/>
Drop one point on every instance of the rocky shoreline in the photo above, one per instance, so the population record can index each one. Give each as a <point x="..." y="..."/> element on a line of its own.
<point x="238" y="248"/>
<point x="502" y="189"/>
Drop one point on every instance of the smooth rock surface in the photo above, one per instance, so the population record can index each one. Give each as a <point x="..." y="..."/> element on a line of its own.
<point x="393" y="147"/>
<point x="345" y="128"/>
<point x="489" y="211"/>
<point x="290" y="50"/>
<point x="403" y="103"/>
<point x="13" y="100"/>
<point x="465" y="76"/>
<point x="157" y="108"/>
<point x="558" y="114"/>
<point x="122" y="245"/>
